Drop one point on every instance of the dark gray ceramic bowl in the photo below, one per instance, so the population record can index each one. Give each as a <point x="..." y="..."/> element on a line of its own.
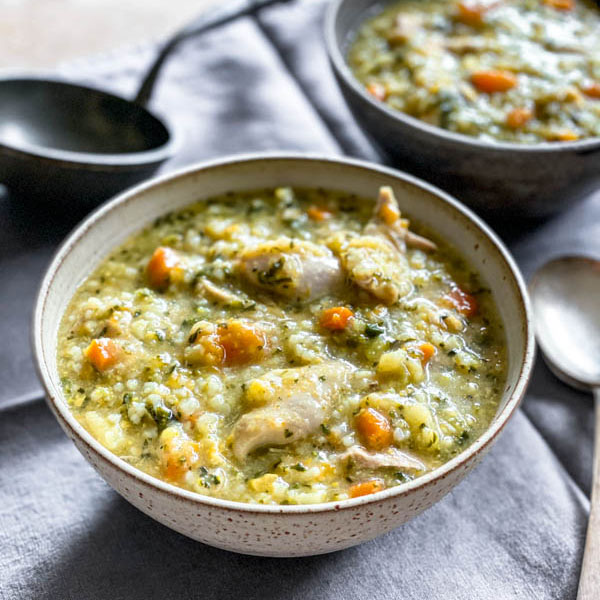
<point x="498" y="179"/>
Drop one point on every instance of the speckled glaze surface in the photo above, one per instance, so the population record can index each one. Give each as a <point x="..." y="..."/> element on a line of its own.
<point x="497" y="179"/>
<point x="280" y="530"/>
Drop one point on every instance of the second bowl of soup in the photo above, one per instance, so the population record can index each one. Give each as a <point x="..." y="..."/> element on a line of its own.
<point x="498" y="102"/>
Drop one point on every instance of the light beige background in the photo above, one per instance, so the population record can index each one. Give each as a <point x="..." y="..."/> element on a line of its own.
<point x="43" y="33"/>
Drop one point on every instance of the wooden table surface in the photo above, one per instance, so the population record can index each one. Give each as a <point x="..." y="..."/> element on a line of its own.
<point x="43" y="33"/>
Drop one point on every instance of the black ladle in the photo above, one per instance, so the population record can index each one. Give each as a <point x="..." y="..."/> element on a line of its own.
<point x="75" y="145"/>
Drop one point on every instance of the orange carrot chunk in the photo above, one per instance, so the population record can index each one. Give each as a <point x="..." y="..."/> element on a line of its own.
<point x="241" y="342"/>
<point x="518" y="117"/>
<point x="465" y="303"/>
<point x="365" y="488"/>
<point x="428" y="351"/>
<point x="592" y="90"/>
<point x="471" y="13"/>
<point x="493" y="81"/>
<point x="336" y="318"/>
<point x="374" y="429"/>
<point x="565" y="5"/>
<point x="102" y="353"/>
<point x="318" y="214"/>
<point x="179" y="456"/>
<point x="377" y="91"/>
<point x="159" y="268"/>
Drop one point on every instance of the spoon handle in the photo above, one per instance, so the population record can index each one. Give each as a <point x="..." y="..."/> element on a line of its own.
<point x="215" y="16"/>
<point x="589" y="582"/>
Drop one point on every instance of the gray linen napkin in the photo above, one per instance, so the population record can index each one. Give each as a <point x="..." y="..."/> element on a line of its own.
<point x="513" y="529"/>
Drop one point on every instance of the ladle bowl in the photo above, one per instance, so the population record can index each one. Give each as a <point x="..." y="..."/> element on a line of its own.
<point x="66" y="142"/>
<point x="69" y="146"/>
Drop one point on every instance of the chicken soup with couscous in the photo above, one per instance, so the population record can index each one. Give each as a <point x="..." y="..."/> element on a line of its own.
<point x="524" y="71"/>
<point x="283" y="346"/>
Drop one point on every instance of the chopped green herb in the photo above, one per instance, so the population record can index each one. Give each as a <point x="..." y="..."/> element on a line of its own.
<point x="160" y="414"/>
<point x="372" y="330"/>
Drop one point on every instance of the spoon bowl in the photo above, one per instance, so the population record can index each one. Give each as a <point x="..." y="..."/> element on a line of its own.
<point x="565" y="294"/>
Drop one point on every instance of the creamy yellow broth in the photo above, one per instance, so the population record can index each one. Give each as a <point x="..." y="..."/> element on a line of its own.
<point x="283" y="346"/>
<point x="523" y="71"/>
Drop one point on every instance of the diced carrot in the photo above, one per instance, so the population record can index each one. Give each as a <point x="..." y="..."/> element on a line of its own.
<point x="206" y="345"/>
<point x="471" y="13"/>
<point x="428" y="351"/>
<point x="241" y="342"/>
<point x="374" y="429"/>
<point x="364" y="488"/>
<point x="565" y="5"/>
<point x="318" y="214"/>
<point x="102" y="353"/>
<point x="465" y="303"/>
<point x="493" y="81"/>
<point x="159" y="268"/>
<point x="233" y="342"/>
<point x="517" y="117"/>
<point x="377" y="91"/>
<point x="336" y="318"/>
<point x="592" y="90"/>
<point x="179" y="454"/>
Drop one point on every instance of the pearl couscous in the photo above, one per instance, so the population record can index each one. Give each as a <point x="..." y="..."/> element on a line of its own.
<point x="283" y="346"/>
<point x="525" y="71"/>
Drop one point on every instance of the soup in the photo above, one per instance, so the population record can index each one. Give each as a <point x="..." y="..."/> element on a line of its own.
<point x="525" y="71"/>
<point x="284" y="346"/>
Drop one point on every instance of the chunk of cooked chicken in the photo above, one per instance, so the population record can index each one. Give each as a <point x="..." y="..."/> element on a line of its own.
<point x="387" y="221"/>
<point x="376" y="460"/>
<point x="372" y="263"/>
<point x="294" y="269"/>
<point x="376" y="261"/>
<point x="222" y="295"/>
<point x="292" y="405"/>
<point x="405" y="27"/>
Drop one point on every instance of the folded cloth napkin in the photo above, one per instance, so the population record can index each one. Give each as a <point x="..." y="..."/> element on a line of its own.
<point x="513" y="529"/>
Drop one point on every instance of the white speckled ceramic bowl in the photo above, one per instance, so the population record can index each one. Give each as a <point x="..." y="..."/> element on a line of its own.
<point x="280" y="530"/>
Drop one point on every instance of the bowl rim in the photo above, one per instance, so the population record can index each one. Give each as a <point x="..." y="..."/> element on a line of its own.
<point x="70" y="424"/>
<point x="343" y="71"/>
<point x="89" y="160"/>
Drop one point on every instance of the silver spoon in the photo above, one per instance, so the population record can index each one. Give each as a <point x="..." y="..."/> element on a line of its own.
<point x="565" y="295"/>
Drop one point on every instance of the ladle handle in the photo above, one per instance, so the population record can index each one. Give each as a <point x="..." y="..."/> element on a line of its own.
<point x="589" y="581"/>
<point x="213" y="17"/>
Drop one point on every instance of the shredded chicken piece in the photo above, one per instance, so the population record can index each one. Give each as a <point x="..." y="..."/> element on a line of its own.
<point x="405" y="26"/>
<point x="294" y="404"/>
<point x="221" y="295"/>
<point x="387" y="220"/>
<point x="372" y="263"/>
<point x="376" y="261"/>
<point x="298" y="270"/>
<point x="390" y="458"/>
